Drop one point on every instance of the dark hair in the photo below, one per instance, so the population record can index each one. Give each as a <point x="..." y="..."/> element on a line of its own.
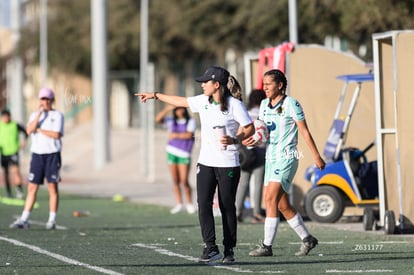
<point x="5" y="113"/>
<point x="256" y="96"/>
<point x="232" y="88"/>
<point x="279" y="77"/>
<point x="186" y="115"/>
<point x="235" y="88"/>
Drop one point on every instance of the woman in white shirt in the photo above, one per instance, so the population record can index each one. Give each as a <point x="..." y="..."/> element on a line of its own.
<point x="46" y="129"/>
<point x="218" y="162"/>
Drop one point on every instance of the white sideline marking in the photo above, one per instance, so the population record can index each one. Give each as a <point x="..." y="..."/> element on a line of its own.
<point x="293" y="243"/>
<point x="359" y="271"/>
<point x="192" y="259"/>
<point x="332" y="242"/>
<point x="59" y="227"/>
<point x="395" y="242"/>
<point x="42" y="223"/>
<point x="59" y="257"/>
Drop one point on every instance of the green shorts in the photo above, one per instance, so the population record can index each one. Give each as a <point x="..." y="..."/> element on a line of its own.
<point x="282" y="170"/>
<point x="173" y="159"/>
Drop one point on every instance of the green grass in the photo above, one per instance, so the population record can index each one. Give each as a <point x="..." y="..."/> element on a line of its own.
<point x="169" y="244"/>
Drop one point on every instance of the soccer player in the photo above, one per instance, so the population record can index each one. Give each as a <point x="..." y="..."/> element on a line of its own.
<point x="284" y="118"/>
<point x="46" y="128"/>
<point x="9" y="148"/>
<point x="181" y="129"/>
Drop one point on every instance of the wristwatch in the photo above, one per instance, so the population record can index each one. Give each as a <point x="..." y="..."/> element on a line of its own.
<point x="235" y="140"/>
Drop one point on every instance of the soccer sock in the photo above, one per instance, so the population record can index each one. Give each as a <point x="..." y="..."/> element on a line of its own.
<point x="297" y="224"/>
<point x="25" y="216"/>
<point x="8" y="190"/>
<point x="20" y="187"/>
<point x="52" y="216"/>
<point x="270" y="229"/>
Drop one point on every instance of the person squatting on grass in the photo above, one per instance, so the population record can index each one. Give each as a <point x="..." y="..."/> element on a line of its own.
<point x="284" y="117"/>
<point x="46" y="129"/>
<point x="181" y="129"/>
<point x="10" y="146"/>
<point x="218" y="162"/>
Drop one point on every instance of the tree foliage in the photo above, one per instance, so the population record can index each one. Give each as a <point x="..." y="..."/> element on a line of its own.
<point x="183" y="31"/>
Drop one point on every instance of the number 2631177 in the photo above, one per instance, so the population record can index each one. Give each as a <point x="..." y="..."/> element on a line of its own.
<point x="367" y="247"/>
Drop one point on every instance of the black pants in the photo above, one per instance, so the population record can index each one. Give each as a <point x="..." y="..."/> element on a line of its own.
<point x="227" y="179"/>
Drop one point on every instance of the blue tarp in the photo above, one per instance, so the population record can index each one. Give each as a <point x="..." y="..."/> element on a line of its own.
<point x="356" y="77"/>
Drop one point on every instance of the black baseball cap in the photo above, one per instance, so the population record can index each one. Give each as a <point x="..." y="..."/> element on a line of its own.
<point x="215" y="73"/>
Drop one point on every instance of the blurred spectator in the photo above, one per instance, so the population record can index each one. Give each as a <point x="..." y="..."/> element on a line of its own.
<point x="46" y="128"/>
<point x="9" y="149"/>
<point x="256" y="169"/>
<point x="180" y="144"/>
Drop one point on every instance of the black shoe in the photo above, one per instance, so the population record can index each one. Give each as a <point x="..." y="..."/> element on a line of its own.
<point x="228" y="255"/>
<point x="210" y="254"/>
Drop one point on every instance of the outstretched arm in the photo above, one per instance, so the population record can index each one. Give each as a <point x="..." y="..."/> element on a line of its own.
<point x="178" y="101"/>
<point x="304" y="130"/>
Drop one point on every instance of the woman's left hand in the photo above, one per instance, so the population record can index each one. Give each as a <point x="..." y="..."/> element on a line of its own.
<point x="227" y="140"/>
<point x="320" y="163"/>
<point x="250" y="142"/>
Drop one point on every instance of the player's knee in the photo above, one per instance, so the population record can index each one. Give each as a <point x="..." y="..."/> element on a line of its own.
<point x="270" y="200"/>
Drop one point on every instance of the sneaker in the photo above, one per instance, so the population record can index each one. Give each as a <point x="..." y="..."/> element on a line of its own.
<point x="263" y="250"/>
<point x="19" y="194"/>
<point x="51" y="225"/>
<point x="228" y="255"/>
<point x="177" y="209"/>
<point x="258" y="219"/>
<point x="307" y="245"/>
<point x="20" y="224"/>
<point x="190" y="208"/>
<point x="210" y="254"/>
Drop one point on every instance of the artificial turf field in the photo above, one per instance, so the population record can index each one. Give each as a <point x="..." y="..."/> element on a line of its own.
<point x="127" y="238"/>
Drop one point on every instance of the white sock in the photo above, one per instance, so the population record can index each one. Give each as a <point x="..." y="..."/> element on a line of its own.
<point x="52" y="216"/>
<point x="25" y="216"/>
<point x="270" y="229"/>
<point x="297" y="224"/>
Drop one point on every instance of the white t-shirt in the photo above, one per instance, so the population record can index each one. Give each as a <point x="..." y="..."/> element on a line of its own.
<point x="50" y="121"/>
<point x="210" y="116"/>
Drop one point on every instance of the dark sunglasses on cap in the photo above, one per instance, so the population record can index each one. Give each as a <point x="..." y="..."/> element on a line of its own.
<point x="45" y="98"/>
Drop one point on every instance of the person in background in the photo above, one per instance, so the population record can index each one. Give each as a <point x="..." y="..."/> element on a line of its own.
<point x="221" y="116"/>
<point x="257" y="170"/>
<point x="46" y="129"/>
<point x="10" y="146"/>
<point x="284" y="118"/>
<point x="180" y="144"/>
